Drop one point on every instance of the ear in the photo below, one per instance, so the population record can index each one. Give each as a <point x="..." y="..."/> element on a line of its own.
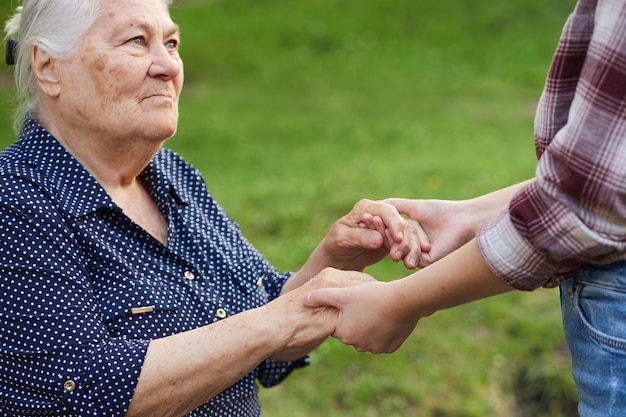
<point x="45" y="69"/>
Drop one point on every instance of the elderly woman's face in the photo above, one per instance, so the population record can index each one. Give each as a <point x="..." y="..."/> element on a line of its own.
<point x="126" y="77"/>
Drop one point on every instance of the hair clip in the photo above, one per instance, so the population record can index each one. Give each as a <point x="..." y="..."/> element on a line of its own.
<point x="11" y="52"/>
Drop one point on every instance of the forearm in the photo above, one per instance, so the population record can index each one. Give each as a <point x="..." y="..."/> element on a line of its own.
<point x="378" y="316"/>
<point x="480" y="210"/>
<point x="184" y="371"/>
<point x="459" y="278"/>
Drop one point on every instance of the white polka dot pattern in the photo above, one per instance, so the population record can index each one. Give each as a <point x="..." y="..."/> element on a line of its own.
<point x="74" y="269"/>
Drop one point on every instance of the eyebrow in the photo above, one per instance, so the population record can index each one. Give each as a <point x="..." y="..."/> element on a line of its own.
<point x="146" y="26"/>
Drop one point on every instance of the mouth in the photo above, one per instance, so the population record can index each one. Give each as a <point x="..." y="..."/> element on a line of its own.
<point x="166" y="97"/>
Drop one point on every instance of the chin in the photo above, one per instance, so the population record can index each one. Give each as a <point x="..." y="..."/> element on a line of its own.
<point x="164" y="134"/>
<point x="159" y="130"/>
<point x="169" y="135"/>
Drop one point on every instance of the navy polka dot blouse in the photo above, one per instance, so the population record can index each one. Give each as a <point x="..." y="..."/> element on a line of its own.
<point x="83" y="289"/>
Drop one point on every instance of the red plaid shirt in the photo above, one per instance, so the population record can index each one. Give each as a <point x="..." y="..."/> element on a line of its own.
<point x="574" y="213"/>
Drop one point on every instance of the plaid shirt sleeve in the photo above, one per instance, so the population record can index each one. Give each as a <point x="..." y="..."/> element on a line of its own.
<point x="574" y="213"/>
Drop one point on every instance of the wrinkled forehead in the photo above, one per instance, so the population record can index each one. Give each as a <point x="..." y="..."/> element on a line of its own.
<point x="120" y="9"/>
<point x="164" y="3"/>
<point x="144" y="14"/>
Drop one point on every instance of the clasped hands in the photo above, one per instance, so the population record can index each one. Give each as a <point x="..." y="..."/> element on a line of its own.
<point x="355" y="301"/>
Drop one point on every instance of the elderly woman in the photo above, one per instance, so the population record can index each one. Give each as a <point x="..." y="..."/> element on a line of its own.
<point x="126" y="290"/>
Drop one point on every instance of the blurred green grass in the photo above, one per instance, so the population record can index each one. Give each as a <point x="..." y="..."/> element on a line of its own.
<point x="295" y="110"/>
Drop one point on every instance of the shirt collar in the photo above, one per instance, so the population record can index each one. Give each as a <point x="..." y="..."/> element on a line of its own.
<point x="75" y="189"/>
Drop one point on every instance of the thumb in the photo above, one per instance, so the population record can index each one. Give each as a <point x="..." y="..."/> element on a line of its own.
<point x="321" y="298"/>
<point x="403" y="205"/>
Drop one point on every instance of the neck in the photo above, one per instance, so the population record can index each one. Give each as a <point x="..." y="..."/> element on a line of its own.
<point x="115" y="162"/>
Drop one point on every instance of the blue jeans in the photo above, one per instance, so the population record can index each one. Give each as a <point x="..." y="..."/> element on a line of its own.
<point x="594" y="318"/>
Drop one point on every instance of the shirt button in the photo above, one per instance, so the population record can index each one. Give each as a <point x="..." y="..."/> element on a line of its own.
<point x="259" y="282"/>
<point x="221" y="313"/>
<point x="189" y="275"/>
<point x="69" y="385"/>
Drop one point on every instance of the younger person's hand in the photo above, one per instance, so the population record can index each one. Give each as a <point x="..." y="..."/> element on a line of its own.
<point x="368" y="317"/>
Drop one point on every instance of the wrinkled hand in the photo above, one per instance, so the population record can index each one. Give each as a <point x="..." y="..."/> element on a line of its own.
<point x="306" y="328"/>
<point x="367" y="317"/>
<point x="353" y="244"/>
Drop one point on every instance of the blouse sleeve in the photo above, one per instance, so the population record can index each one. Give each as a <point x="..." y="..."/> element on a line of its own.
<point x="56" y="355"/>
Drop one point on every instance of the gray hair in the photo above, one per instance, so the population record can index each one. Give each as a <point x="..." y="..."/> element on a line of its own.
<point x="54" y="26"/>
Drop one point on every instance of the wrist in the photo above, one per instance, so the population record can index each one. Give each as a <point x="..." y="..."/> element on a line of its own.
<point x="476" y="213"/>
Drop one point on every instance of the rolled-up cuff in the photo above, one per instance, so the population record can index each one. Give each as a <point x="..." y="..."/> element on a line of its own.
<point x="513" y="258"/>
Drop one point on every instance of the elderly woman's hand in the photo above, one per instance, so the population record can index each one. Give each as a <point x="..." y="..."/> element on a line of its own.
<point x="307" y="328"/>
<point x="371" y="231"/>
<point x="364" y="236"/>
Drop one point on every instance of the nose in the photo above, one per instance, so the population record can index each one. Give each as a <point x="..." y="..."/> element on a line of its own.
<point x="166" y="63"/>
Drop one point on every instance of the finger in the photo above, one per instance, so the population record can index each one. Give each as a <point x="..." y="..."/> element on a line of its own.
<point x="369" y="221"/>
<point x="419" y="251"/>
<point x="365" y="238"/>
<point x="410" y="258"/>
<point x="385" y="232"/>
<point x="321" y="298"/>
<point x="403" y="205"/>
<point x="356" y="278"/>
<point x="390" y="218"/>
<point x="425" y="259"/>
<point x="376" y="223"/>
<point x="367" y="217"/>
<point x="397" y="251"/>
<point x="415" y="243"/>
<point x="421" y="235"/>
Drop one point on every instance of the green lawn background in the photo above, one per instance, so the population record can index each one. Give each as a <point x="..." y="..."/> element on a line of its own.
<point x="294" y="110"/>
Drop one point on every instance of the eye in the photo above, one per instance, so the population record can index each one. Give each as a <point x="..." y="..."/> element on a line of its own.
<point x="138" y="40"/>
<point x="172" y="44"/>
